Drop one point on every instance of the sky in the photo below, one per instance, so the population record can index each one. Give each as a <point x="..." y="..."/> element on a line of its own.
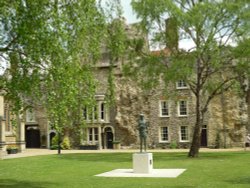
<point x="131" y="18"/>
<point x="128" y="12"/>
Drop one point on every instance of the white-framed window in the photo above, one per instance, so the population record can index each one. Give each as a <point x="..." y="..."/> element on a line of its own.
<point x="184" y="134"/>
<point x="102" y="111"/>
<point x="181" y="84"/>
<point x="90" y="114"/>
<point x="96" y="113"/>
<point x="163" y="134"/>
<point x="182" y="108"/>
<point x="93" y="135"/>
<point x="164" y="108"/>
<point x="30" y="116"/>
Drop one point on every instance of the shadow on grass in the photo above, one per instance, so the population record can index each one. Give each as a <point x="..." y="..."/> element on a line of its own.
<point x="12" y="183"/>
<point x="239" y="180"/>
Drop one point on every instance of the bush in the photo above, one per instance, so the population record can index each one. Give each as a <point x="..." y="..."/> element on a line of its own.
<point x="173" y="145"/>
<point x="64" y="145"/>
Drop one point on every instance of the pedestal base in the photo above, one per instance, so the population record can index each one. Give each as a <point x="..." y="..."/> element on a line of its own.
<point x="143" y="162"/>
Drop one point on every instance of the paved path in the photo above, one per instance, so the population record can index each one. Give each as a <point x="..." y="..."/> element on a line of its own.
<point x="36" y="152"/>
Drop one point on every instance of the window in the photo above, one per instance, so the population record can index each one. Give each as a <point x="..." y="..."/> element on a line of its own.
<point x="90" y="115"/>
<point x="102" y="111"/>
<point x="93" y="134"/>
<point x="181" y="84"/>
<point x="164" y="109"/>
<point x="30" y="116"/>
<point x="85" y="113"/>
<point x="184" y="133"/>
<point x="7" y="118"/>
<point x="94" y="113"/>
<point x="182" y="108"/>
<point x="164" y="134"/>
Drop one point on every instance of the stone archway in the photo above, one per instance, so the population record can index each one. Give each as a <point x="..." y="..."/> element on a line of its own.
<point x="51" y="135"/>
<point x="108" y="137"/>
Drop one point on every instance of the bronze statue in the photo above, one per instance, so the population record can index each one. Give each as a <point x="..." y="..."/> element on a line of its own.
<point x="143" y="131"/>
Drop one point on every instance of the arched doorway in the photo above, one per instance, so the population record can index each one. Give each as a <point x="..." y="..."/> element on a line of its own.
<point x="108" y="138"/>
<point x="52" y="134"/>
<point x="32" y="136"/>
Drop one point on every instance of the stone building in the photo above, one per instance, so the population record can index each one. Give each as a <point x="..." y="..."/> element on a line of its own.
<point x="171" y="117"/>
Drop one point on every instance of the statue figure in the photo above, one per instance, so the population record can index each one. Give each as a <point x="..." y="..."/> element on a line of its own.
<point x="143" y="131"/>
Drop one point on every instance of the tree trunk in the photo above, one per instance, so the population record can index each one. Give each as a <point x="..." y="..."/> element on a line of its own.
<point x="195" y="146"/>
<point x="59" y="144"/>
<point x="248" y="108"/>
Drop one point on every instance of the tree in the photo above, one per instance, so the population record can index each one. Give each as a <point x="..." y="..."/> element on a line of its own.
<point x="207" y="66"/>
<point x="242" y="70"/>
<point x="51" y="48"/>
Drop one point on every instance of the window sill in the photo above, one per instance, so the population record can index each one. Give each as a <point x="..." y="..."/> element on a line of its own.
<point x="184" y="141"/>
<point x="163" y="142"/>
<point x="182" y="115"/>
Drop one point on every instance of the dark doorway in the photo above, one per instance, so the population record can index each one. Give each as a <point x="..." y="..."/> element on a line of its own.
<point x="51" y="136"/>
<point x="204" y="136"/>
<point x="109" y="138"/>
<point x="32" y="137"/>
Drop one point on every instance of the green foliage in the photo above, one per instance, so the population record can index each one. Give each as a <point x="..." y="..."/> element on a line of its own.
<point x="206" y="66"/>
<point x="173" y="145"/>
<point x="54" y="140"/>
<point x="64" y="145"/>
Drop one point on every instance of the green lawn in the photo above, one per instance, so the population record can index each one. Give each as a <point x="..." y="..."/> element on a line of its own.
<point x="227" y="169"/>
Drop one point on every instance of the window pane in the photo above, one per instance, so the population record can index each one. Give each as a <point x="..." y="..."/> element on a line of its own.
<point x="95" y="113"/>
<point x="164" y="133"/>
<point x="164" y="108"/>
<point x="181" y="84"/>
<point x="102" y="111"/>
<point x="90" y="134"/>
<point x="96" y="134"/>
<point x="184" y="133"/>
<point x="85" y="113"/>
<point x="183" y="107"/>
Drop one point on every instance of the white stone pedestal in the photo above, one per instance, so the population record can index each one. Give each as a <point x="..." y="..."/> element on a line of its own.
<point x="143" y="163"/>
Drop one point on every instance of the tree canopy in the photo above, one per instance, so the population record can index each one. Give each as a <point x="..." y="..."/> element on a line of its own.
<point x="51" y="48"/>
<point x="214" y="29"/>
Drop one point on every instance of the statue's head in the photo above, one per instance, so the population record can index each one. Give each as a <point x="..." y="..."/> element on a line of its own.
<point x="141" y="116"/>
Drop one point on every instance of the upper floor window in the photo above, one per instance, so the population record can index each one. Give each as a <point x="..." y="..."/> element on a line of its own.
<point x="164" y="134"/>
<point x="181" y="84"/>
<point x="184" y="137"/>
<point x="96" y="113"/>
<point x="90" y="113"/>
<point x="182" y="108"/>
<point x="30" y="115"/>
<point x="164" y="109"/>
<point x="102" y="111"/>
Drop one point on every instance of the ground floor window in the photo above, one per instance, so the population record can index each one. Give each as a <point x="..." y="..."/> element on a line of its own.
<point x="164" y="135"/>
<point x="184" y="133"/>
<point x="93" y="134"/>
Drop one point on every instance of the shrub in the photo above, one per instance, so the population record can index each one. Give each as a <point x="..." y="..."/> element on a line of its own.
<point x="64" y="145"/>
<point x="173" y="145"/>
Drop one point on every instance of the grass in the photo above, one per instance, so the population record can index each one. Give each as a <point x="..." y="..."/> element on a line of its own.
<point x="211" y="170"/>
